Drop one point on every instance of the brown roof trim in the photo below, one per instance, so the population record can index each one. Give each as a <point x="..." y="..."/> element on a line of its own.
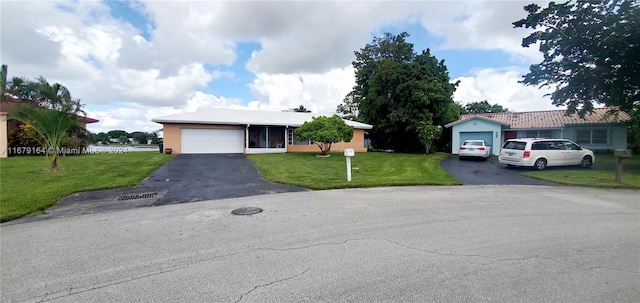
<point x="472" y="117"/>
<point x="550" y="119"/>
<point x="88" y="120"/>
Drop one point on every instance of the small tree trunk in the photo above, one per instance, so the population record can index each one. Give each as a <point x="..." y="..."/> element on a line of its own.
<point x="321" y="146"/>
<point x="54" y="161"/>
<point x="427" y="148"/>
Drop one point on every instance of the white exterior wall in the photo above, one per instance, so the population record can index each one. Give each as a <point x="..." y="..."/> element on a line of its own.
<point x="476" y="125"/>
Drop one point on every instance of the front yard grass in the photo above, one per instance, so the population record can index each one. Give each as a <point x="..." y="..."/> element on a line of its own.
<point x="602" y="174"/>
<point x="28" y="186"/>
<point x="368" y="170"/>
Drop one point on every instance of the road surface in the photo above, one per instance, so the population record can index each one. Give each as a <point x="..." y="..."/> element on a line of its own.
<point x="401" y="244"/>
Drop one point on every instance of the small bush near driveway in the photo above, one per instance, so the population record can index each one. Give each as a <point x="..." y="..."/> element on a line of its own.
<point x="368" y="169"/>
<point x="27" y="184"/>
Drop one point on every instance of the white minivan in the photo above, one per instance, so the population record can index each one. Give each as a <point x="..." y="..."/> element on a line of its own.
<point x="540" y="153"/>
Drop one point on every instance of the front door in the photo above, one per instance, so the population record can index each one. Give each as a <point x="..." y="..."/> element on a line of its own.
<point x="510" y="135"/>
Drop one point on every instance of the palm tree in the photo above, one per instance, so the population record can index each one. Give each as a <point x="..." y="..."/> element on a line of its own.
<point x="52" y="126"/>
<point x="3" y="82"/>
<point x="301" y="109"/>
<point x="48" y="108"/>
<point x="56" y="96"/>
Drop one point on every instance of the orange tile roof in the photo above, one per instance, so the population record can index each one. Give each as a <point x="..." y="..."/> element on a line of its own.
<point x="548" y="118"/>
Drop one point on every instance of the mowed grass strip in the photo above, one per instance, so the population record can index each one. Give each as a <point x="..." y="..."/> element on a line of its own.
<point x="602" y="174"/>
<point x="368" y="170"/>
<point x="588" y="178"/>
<point x="28" y="186"/>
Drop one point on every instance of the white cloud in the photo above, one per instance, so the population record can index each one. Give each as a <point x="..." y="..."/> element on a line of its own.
<point x="149" y="85"/>
<point x="501" y="86"/>
<point x="137" y="117"/>
<point x="320" y="92"/>
<point x="485" y="25"/>
<point x="304" y="48"/>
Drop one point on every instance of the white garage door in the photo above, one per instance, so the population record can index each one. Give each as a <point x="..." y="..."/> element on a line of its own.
<point x="211" y="141"/>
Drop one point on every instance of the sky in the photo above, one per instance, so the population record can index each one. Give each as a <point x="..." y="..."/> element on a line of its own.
<point x="131" y="61"/>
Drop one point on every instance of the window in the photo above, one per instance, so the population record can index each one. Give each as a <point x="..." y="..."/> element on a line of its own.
<point x="292" y="138"/>
<point x="539" y="146"/>
<point x="538" y="134"/>
<point x="266" y="137"/>
<point x="515" y="145"/>
<point x="592" y="136"/>
<point x="570" y="146"/>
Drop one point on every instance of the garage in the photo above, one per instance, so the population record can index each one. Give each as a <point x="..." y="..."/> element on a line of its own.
<point x="211" y="141"/>
<point x="486" y="136"/>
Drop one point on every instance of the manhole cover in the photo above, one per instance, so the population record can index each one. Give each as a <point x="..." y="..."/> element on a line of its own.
<point x="138" y="196"/>
<point x="246" y="211"/>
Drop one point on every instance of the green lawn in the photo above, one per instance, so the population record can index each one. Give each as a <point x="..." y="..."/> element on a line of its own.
<point x="27" y="185"/>
<point x="609" y="159"/>
<point x="368" y="170"/>
<point x="602" y="174"/>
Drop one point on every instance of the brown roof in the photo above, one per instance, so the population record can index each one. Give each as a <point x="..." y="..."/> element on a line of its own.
<point x="549" y="118"/>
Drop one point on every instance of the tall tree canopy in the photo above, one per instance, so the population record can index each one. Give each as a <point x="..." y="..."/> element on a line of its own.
<point x="396" y="90"/>
<point x="482" y="107"/>
<point x="590" y="52"/>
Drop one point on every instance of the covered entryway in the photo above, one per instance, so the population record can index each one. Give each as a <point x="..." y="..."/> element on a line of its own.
<point x="486" y="136"/>
<point x="211" y="141"/>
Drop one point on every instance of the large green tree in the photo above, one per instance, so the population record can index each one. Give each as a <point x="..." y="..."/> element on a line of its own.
<point x="324" y="131"/>
<point x="482" y="107"/>
<point x="396" y="90"/>
<point x="117" y="133"/>
<point x="590" y="50"/>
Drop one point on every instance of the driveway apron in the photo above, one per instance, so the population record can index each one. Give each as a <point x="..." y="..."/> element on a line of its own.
<point x="487" y="172"/>
<point x="185" y="178"/>
<point x="210" y="177"/>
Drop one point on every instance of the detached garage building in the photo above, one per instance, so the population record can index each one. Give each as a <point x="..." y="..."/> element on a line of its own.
<point x="219" y="130"/>
<point x="604" y="129"/>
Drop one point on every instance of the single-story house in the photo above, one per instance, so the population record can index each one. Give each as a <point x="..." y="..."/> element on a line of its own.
<point x="220" y="130"/>
<point x="603" y="129"/>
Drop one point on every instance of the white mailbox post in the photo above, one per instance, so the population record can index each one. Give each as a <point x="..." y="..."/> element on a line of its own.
<point x="348" y="153"/>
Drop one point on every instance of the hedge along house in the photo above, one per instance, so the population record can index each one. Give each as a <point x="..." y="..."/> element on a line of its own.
<point x="210" y="131"/>
<point x="604" y="129"/>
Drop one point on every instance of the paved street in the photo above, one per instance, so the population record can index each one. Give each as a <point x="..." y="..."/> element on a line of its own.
<point x="403" y="244"/>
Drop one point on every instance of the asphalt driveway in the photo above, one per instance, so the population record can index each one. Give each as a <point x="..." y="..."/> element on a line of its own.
<point x="211" y="177"/>
<point x="186" y="178"/>
<point x="487" y="172"/>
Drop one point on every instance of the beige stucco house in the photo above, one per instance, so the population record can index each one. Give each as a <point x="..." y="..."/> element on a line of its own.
<point x="221" y="130"/>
